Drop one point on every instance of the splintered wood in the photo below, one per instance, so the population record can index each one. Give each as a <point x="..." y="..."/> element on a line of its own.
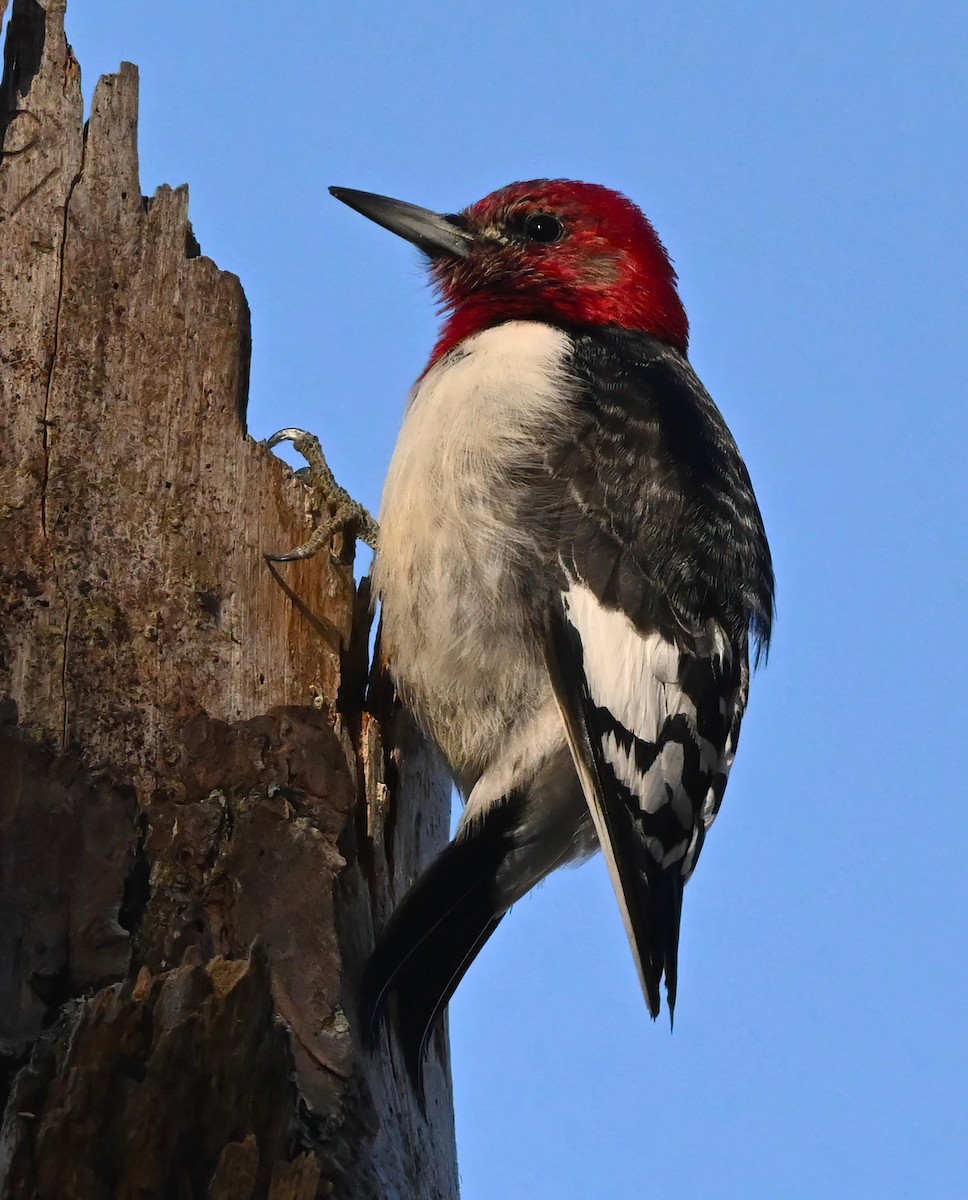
<point x="188" y="878"/>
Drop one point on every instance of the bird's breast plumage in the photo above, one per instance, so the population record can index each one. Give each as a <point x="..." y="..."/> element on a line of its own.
<point x="454" y="550"/>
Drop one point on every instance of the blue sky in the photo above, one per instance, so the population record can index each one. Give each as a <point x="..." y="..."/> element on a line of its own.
<point x="806" y="166"/>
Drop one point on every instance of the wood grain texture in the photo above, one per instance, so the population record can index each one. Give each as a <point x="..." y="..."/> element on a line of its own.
<point x="183" y="738"/>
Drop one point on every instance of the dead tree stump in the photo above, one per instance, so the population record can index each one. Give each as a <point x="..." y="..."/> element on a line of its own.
<point x="200" y="821"/>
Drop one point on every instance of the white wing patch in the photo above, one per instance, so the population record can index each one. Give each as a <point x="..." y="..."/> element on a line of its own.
<point x="626" y="672"/>
<point x="635" y="678"/>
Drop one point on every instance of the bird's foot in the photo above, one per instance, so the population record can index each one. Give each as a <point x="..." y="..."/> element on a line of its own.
<point x="345" y="512"/>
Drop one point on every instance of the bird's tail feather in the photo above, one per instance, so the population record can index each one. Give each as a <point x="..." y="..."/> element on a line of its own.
<point x="664" y="890"/>
<point x="436" y="932"/>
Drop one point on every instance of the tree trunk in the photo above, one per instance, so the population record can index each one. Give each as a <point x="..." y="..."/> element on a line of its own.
<point x="201" y="821"/>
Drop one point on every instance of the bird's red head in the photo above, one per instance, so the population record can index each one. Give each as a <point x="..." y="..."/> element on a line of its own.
<point x="547" y="249"/>
<point x="561" y="251"/>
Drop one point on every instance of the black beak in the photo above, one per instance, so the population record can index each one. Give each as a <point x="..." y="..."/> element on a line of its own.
<point x="434" y="233"/>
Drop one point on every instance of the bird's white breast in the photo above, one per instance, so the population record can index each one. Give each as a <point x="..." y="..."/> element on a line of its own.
<point x="453" y="544"/>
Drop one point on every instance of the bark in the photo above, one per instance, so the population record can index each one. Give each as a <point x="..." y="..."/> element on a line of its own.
<point x="201" y="821"/>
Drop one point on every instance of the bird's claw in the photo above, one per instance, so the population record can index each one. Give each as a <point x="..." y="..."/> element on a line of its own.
<point x="346" y="513"/>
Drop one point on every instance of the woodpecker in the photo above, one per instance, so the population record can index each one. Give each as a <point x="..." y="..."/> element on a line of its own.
<point x="573" y="573"/>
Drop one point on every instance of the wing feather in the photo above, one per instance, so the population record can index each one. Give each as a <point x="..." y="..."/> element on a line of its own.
<point x="664" y="576"/>
<point x="648" y="727"/>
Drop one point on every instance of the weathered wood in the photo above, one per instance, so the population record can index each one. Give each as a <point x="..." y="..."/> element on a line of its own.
<point x="182" y="734"/>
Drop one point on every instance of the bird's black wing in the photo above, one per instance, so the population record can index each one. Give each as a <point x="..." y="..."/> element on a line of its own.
<point x="663" y="570"/>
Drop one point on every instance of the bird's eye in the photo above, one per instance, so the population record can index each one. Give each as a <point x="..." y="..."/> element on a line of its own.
<point x="543" y="227"/>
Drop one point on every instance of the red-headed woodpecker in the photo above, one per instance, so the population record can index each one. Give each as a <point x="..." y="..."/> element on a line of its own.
<point x="572" y="568"/>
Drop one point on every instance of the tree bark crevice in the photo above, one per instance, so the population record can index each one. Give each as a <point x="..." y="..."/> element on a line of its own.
<point x="201" y="821"/>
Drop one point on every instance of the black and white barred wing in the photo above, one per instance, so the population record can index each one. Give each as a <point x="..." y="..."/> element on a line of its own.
<point x="653" y="731"/>
<point x="663" y="572"/>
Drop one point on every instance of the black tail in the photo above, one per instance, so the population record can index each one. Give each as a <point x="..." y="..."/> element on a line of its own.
<point x="662" y="896"/>
<point x="435" y="934"/>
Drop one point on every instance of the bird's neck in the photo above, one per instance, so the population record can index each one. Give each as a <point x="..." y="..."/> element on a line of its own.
<point x="474" y="316"/>
<point x="658" y="313"/>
